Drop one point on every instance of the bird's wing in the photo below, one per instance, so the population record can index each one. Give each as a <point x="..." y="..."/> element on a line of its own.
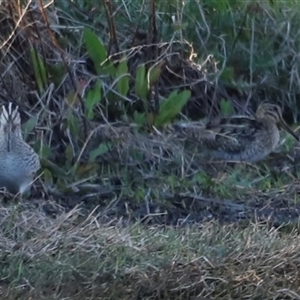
<point x="233" y="134"/>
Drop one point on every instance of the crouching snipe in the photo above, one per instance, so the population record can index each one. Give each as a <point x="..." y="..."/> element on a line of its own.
<point x="242" y="138"/>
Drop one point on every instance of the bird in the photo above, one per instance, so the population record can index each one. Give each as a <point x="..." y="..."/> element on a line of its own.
<point x="240" y="138"/>
<point x="18" y="161"/>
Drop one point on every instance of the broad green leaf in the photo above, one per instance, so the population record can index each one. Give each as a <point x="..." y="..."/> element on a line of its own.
<point x="95" y="48"/>
<point x="39" y="68"/>
<point x="150" y="119"/>
<point x="45" y="151"/>
<point x="73" y="123"/>
<point x="48" y="178"/>
<point x="102" y="149"/>
<point x="69" y="154"/>
<point x="228" y="74"/>
<point x="139" y="118"/>
<point x="92" y="99"/>
<point x="72" y="171"/>
<point x="55" y="170"/>
<point x="123" y="82"/>
<point x="171" y="107"/>
<point x="141" y="87"/>
<point x="56" y="72"/>
<point x="155" y="74"/>
<point x="97" y="53"/>
<point x="226" y="107"/>
<point x="179" y="27"/>
<point x="37" y="145"/>
<point x="29" y="126"/>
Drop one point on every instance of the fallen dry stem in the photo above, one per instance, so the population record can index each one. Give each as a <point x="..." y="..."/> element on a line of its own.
<point x="81" y="259"/>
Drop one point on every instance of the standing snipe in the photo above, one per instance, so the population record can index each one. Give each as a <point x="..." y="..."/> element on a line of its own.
<point x="18" y="161"/>
<point x="241" y="138"/>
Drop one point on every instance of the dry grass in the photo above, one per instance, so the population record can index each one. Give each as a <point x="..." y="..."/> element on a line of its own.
<point x="46" y="258"/>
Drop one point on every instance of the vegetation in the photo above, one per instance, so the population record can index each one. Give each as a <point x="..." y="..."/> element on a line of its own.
<point x="123" y="207"/>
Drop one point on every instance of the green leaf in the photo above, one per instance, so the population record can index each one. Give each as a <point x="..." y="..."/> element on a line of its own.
<point x="73" y="123"/>
<point x="56" y="73"/>
<point x="141" y="87"/>
<point x="72" y="171"/>
<point x="226" y="107"/>
<point x="69" y="154"/>
<point x="179" y="27"/>
<point x="139" y="118"/>
<point x="29" y="126"/>
<point x="97" y="53"/>
<point x="228" y="74"/>
<point x="45" y="151"/>
<point x="102" y="149"/>
<point x="39" y="69"/>
<point x="55" y="170"/>
<point x="171" y="107"/>
<point x="123" y="82"/>
<point x="155" y="74"/>
<point x="92" y="99"/>
<point x="48" y="178"/>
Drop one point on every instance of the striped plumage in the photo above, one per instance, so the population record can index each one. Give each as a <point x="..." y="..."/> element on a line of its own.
<point x="18" y="161"/>
<point x="241" y="138"/>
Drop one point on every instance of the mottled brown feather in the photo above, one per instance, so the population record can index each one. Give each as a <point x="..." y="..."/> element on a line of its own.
<point x="241" y="138"/>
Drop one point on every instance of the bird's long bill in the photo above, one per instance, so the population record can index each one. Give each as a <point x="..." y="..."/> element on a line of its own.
<point x="289" y="129"/>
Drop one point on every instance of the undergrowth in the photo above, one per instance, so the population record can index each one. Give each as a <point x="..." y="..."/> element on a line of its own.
<point x="123" y="208"/>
